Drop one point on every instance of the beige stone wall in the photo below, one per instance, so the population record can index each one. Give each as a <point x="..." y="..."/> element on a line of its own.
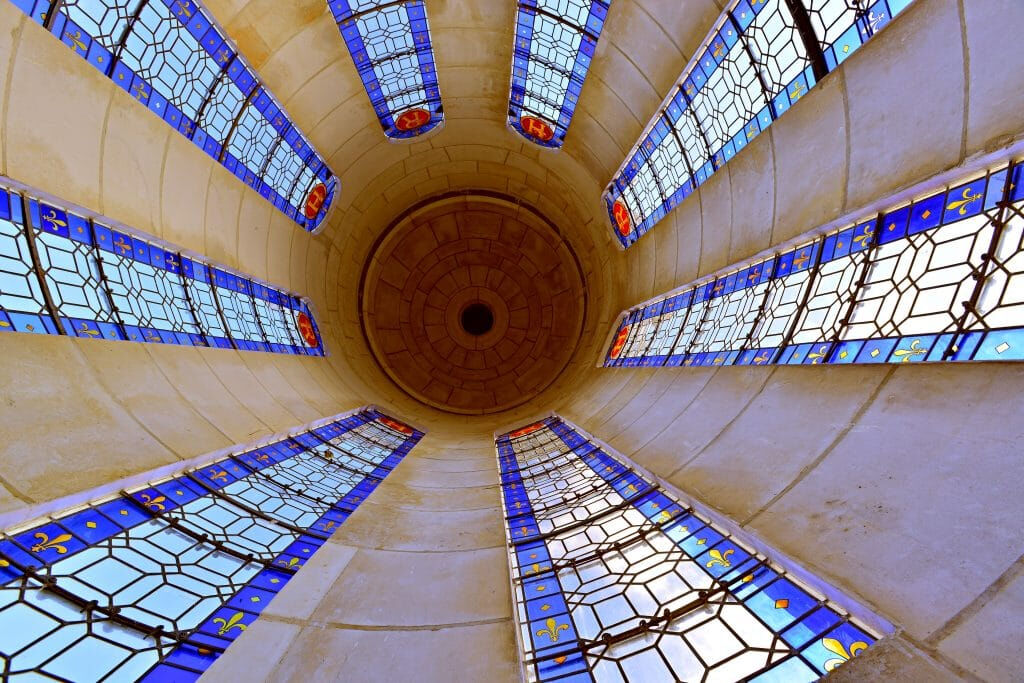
<point x="899" y="485"/>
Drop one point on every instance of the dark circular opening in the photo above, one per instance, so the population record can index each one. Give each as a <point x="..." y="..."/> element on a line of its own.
<point x="477" y="319"/>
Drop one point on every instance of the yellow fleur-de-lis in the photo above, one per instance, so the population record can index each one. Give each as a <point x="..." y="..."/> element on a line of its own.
<point x="537" y="569"/>
<point x="865" y="238"/>
<point x="46" y="543"/>
<point x="961" y="205"/>
<point x="54" y="222"/>
<point x="718" y="557"/>
<point x="907" y="354"/>
<point x="217" y="476"/>
<point x="228" y="624"/>
<point x="833" y="645"/>
<point x="552" y="630"/>
<point x="122" y="245"/>
<point x="156" y="504"/>
<point x="85" y="329"/>
<point x="76" y="40"/>
<point x="762" y="359"/>
<point x="818" y="355"/>
<point x="290" y="564"/>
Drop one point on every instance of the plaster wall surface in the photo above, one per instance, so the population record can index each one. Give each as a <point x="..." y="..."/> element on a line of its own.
<point x="896" y="484"/>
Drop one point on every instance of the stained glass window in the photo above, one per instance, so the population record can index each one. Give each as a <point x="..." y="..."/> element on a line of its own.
<point x="171" y="57"/>
<point x="616" y="580"/>
<point x="390" y="45"/>
<point x="935" y="279"/>
<point x="555" y="43"/>
<point x="760" y="58"/>
<point x="155" y="583"/>
<point x="64" y="273"/>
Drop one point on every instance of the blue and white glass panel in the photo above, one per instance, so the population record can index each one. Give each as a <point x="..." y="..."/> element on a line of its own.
<point x="171" y="57"/>
<point x="154" y="584"/>
<point x="616" y="580"/>
<point x="760" y="58"/>
<point x="390" y="45"/>
<point x="64" y="273"/>
<point x="938" y="279"/>
<point x="555" y="43"/>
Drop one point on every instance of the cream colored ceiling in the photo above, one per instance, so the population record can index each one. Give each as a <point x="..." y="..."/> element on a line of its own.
<point x="297" y="49"/>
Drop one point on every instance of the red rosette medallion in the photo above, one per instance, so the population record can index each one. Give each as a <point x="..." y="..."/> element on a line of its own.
<point x="529" y="429"/>
<point x="412" y="119"/>
<point x="537" y="128"/>
<point x="395" y="424"/>
<point x="620" y="341"/>
<point x="622" y="220"/>
<point x="314" y="201"/>
<point x="305" y="326"/>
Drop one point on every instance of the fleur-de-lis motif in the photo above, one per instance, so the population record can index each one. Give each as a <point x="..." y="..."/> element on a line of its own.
<point x="719" y="50"/>
<point x="76" y="40"/>
<point x="123" y="246"/>
<point x="228" y="624"/>
<point x="183" y="11"/>
<point x="961" y="205"/>
<point x="155" y="504"/>
<point x="718" y="557"/>
<point x="140" y="91"/>
<point x="762" y="359"/>
<point x="537" y="569"/>
<point x="874" y="20"/>
<point x="85" y="329"/>
<point x="54" y="222"/>
<point x="56" y="543"/>
<point x="833" y="645"/>
<point x="818" y="355"/>
<point x="552" y="630"/>
<point x="907" y="354"/>
<point x="290" y="564"/>
<point x="801" y="259"/>
<point x="864" y="239"/>
<point x="221" y="476"/>
<point x="797" y="91"/>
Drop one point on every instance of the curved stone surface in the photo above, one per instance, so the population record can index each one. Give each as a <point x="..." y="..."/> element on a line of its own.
<point x="461" y="253"/>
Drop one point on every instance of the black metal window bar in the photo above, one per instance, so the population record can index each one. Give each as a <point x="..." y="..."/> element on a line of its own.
<point x="760" y="58"/>
<point x="155" y="583"/>
<point x="936" y="279"/>
<point x="62" y="273"/>
<point x="554" y="44"/>
<point x="171" y="57"/>
<point x="616" y="580"/>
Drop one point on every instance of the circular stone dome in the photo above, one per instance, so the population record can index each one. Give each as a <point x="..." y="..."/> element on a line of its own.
<point x="472" y="304"/>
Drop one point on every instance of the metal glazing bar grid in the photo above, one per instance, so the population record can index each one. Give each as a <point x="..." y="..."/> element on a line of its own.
<point x="97" y="282"/>
<point x="655" y="590"/>
<point x="934" y="279"/>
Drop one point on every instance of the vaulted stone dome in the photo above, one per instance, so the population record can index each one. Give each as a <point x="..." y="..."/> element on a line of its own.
<point x="473" y="304"/>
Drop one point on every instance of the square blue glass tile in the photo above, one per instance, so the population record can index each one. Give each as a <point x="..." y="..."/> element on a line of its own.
<point x="810" y="627"/>
<point x="780" y="604"/>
